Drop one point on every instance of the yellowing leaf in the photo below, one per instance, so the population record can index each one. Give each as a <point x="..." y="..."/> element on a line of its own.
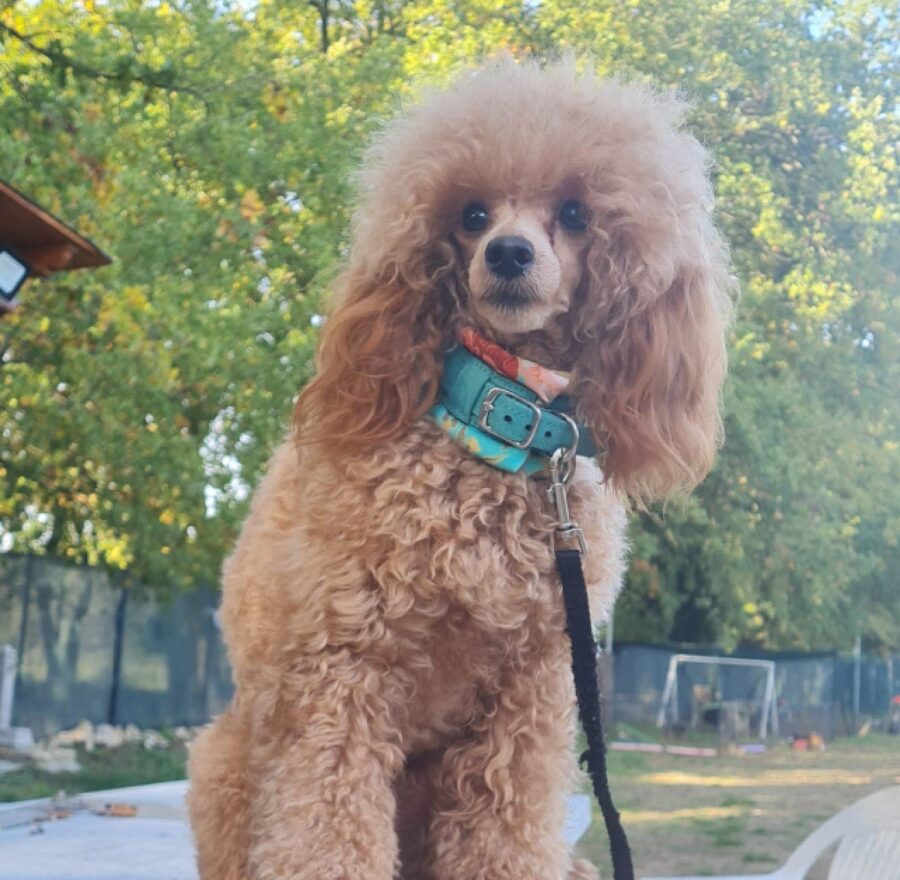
<point x="252" y="207"/>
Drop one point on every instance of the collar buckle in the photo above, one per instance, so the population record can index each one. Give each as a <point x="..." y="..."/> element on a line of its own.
<point x="490" y="403"/>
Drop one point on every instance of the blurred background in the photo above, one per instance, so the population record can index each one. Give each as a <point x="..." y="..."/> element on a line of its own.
<point x="208" y="149"/>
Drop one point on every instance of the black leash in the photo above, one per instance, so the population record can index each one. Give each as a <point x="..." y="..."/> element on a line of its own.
<point x="587" y="694"/>
<point x="561" y="467"/>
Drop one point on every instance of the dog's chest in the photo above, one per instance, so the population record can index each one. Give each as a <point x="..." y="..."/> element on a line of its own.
<point x="466" y="662"/>
<point x="445" y="532"/>
<point x="460" y="560"/>
<point x="487" y="603"/>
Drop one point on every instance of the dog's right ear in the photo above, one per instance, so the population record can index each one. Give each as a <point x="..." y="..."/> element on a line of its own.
<point x="379" y="359"/>
<point x="381" y="350"/>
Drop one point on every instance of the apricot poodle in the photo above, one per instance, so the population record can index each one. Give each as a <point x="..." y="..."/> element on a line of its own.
<point x="404" y="703"/>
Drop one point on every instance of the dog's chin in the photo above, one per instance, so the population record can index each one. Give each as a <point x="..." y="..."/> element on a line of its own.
<point x="512" y="311"/>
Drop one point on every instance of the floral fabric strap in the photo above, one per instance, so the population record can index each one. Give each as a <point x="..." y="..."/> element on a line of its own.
<point x="547" y="384"/>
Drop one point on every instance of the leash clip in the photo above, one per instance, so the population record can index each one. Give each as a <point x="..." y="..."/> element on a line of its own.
<point x="562" y="469"/>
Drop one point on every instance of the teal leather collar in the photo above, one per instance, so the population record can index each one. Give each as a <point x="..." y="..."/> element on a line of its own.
<point x="501" y="420"/>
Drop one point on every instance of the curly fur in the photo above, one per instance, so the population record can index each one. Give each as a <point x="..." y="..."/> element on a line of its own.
<point x="404" y="702"/>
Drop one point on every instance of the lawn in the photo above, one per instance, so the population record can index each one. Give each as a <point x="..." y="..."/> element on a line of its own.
<point x="736" y="814"/>
<point x="130" y="764"/>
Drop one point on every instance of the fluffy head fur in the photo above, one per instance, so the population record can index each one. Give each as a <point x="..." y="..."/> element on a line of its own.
<point x="635" y="305"/>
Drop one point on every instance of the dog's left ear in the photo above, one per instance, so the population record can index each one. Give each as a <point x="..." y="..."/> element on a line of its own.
<point x="653" y="317"/>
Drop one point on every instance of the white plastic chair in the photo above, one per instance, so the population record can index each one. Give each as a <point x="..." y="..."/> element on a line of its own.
<point x="868" y="838"/>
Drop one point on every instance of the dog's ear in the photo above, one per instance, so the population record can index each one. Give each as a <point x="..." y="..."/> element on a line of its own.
<point x="381" y="349"/>
<point x="379" y="357"/>
<point x="654" y="310"/>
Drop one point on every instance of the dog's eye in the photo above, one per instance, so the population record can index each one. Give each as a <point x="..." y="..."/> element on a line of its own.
<point x="573" y="215"/>
<point x="474" y="217"/>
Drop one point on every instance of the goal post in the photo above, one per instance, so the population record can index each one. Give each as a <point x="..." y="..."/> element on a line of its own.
<point x="768" y="716"/>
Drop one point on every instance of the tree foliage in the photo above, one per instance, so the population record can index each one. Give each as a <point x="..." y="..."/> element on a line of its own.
<point x="208" y="147"/>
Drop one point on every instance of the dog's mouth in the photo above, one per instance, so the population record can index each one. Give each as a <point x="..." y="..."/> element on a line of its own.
<point x="511" y="297"/>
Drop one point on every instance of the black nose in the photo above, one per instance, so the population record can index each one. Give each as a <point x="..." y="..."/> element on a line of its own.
<point x="509" y="256"/>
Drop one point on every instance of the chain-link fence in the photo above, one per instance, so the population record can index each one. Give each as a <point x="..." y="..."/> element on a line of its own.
<point x="90" y="649"/>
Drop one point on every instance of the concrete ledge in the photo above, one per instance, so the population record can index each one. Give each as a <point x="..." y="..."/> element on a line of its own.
<point x="51" y="839"/>
<point x="154" y="844"/>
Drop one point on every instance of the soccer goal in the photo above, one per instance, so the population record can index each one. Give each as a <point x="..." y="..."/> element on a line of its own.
<point x="768" y="710"/>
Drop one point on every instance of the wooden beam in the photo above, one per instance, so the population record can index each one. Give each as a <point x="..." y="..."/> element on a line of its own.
<point x="50" y="258"/>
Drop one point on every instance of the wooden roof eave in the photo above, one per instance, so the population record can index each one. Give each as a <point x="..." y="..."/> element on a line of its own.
<point x="46" y="243"/>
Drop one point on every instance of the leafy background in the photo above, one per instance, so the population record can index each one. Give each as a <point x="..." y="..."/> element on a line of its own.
<point x="209" y="148"/>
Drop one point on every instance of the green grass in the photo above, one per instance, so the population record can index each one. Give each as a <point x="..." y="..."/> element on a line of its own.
<point x="627" y="764"/>
<point x="731" y="801"/>
<point x="885" y="743"/>
<point x="130" y="764"/>
<point x="726" y="832"/>
<point x="722" y="815"/>
<point x="754" y="858"/>
<point x="650" y="733"/>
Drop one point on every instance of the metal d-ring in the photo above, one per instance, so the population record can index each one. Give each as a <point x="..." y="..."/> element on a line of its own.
<point x="569" y="456"/>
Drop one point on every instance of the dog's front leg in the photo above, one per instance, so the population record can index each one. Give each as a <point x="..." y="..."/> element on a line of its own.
<point x="324" y="804"/>
<point x="502" y="792"/>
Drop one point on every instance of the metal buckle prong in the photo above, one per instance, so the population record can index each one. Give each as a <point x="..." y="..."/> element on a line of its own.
<point x="488" y="406"/>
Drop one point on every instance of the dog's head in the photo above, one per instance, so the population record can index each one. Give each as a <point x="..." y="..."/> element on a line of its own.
<point x="567" y="218"/>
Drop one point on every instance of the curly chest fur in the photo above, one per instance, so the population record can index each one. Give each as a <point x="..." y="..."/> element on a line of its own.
<point x="418" y="556"/>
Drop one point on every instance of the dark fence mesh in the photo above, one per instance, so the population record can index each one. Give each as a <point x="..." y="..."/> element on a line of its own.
<point x="806" y="692"/>
<point x="639" y="673"/>
<point x="814" y="692"/>
<point x="65" y="661"/>
<point x="174" y="669"/>
<point x="11" y="579"/>
<point x="90" y="649"/>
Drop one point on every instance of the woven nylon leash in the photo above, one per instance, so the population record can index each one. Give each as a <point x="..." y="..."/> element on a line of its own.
<point x="584" y="658"/>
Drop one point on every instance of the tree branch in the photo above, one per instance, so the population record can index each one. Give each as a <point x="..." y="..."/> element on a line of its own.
<point x="162" y="78"/>
<point x="321" y="6"/>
